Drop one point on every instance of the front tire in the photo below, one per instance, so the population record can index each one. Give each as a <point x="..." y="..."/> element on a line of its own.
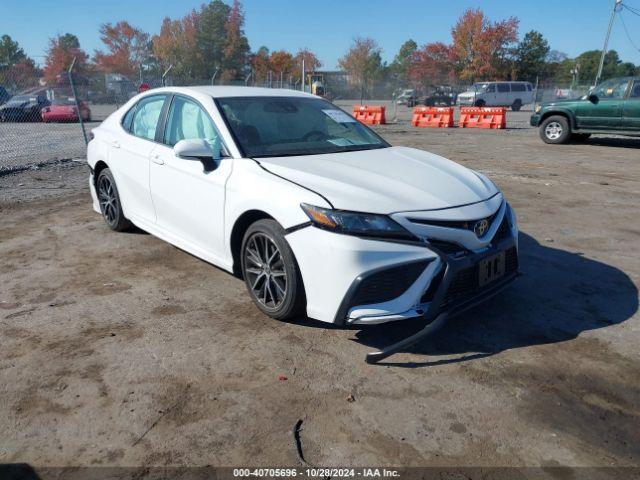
<point x="271" y="272"/>
<point x="555" y="130"/>
<point x="516" y="105"/>
<point x="480" y="103"/>
<point x="110" y="205"/>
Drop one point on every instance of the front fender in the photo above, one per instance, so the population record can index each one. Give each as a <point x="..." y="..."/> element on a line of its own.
<point x="251" y="187"/>
<point x="570" y="114"/>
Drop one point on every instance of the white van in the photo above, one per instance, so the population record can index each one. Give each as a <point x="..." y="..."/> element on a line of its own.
<point x="498" y="94"/>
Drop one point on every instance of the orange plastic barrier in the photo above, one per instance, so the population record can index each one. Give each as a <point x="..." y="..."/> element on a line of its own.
<point x="483" y="117"/>
<point x="369" y="114"/>
<point x="432" y="117"/>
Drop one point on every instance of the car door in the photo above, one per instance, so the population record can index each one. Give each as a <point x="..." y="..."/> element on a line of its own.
<point x="602" y="110"/>
<point x="631" y="109"/>
<point x="503" y="95"/>
<point x="189" y="199"/>
<point x="490" y="95"/>
<point x="129" y="155"/>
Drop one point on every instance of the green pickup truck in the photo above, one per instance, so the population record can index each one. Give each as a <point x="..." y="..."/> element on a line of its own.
<point x="613" y="107"/>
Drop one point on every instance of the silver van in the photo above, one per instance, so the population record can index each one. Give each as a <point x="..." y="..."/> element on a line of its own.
<point x="497" y="94"/>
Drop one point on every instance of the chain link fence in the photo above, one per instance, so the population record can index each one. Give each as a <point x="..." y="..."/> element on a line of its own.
<point x="39" y="120"/>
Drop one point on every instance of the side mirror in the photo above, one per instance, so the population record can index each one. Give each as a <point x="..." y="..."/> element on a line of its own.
<point x="198" y="149"/>
<point x="593" y="98"/>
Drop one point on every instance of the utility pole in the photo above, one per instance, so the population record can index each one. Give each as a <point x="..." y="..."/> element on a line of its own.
<point x="606" y="40"/>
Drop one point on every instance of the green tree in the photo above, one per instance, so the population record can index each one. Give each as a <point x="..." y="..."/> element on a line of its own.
<point x="211" y="38"/>
<point x="10" y="52"/>
<point x="531" y="55"/>
<point x="399" y="68"/>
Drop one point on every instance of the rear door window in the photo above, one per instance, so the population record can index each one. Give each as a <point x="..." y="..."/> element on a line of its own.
<point x="518" y="87"/>
<point x="146" y="116"/>
<point x="503" y="88"/>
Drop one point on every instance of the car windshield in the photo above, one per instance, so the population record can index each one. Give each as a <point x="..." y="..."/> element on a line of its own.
<point x="286" y="126"/>
<point x="480" y="87"/>
<point x="613" y="89"/>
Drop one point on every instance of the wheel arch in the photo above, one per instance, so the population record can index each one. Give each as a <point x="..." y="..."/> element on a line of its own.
<point x="561" y="113"/>
<point x="99" y="166"/>
<point x="240" y="226"/>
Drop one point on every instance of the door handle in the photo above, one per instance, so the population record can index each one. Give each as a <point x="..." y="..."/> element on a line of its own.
<point x="115" y="144"/>
<point x="155" y="158"/>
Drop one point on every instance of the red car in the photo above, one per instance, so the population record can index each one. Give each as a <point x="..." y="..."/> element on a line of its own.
<point x="64" y="110"/>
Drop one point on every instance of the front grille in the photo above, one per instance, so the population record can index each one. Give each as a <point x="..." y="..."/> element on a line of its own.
<point x="387" y="284"/>
<point x="465" y="283"/>
<point x="448" y="248"/>
<point x="504" y="230"/>
<point x="461" y="224"/>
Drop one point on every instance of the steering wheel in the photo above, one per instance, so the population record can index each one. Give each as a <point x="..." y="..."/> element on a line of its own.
<point x="309" y="136"/>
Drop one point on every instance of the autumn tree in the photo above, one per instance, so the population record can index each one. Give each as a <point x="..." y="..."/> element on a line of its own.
<point x="177" y="44"/>
<point x="60" y="53"/>
<point x="399" y="68"/>
<point x="432" y="64"/>
<point x="281" y="63"/>
<point x="259" y="62"/>
<point x="482" y="49"/>
<point x="235" y="54"/>
<point x="128" y="49"/>
<point x="362" y="62"/>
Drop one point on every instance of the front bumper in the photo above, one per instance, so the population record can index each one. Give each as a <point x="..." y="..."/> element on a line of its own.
<point x="356" y="281"/>
<point x="535" y="120"/>
<point x="466" y="101"/>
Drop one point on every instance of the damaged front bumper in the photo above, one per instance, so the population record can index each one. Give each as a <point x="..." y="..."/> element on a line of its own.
<point x="458" y="290"/>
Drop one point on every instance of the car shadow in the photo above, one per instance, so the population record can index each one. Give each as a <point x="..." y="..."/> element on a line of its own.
<point x="622" y="142"/>
<point x="560" y="295"/>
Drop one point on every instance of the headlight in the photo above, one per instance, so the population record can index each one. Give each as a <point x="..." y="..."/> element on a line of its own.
<point x="538" y="108"/>
<point x="356" y="223"/>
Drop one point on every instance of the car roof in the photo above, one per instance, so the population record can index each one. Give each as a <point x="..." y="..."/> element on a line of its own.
<point x="233" y="91"/>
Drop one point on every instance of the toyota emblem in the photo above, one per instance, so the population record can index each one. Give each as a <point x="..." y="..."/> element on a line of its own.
<point x="481" y="227"/>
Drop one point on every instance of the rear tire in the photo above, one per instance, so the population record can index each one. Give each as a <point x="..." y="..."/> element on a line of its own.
<point x="110" y="205"/>
<point x="271" y="272"/>
<point x="555" y="130"/>
<point x="517" y="105"/>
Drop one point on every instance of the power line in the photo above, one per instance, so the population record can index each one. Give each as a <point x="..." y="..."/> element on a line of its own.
<point x="633" y="10"/>
<point x="624" y="25"/>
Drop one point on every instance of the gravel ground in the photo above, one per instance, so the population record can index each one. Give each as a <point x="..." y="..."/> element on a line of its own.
<point x="119" y="349"/>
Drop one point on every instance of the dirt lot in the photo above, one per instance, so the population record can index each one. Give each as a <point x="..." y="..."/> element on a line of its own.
<point x="119" y="349"/>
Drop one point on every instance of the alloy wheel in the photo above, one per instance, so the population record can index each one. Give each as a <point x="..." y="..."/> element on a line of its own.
<point x="264" y="267"/>
<point x="108" y="200"/>
<point x="553" y="130"/>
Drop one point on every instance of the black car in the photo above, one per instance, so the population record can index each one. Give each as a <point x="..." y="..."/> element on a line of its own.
<point x="443" y="96"/>
<point x="23" y="108"/>
<point x="4" y="95"/>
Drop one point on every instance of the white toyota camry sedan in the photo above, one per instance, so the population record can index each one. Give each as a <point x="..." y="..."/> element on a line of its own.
<point x="316" y="212"/>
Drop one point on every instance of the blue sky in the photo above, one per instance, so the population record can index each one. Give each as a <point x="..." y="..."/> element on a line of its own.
<point x="328" y="26"/>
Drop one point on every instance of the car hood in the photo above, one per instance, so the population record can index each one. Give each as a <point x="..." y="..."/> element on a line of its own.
<point x="11" y="104"/>
<point x="563" y="102"/>
<point x="386" y="180"/>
